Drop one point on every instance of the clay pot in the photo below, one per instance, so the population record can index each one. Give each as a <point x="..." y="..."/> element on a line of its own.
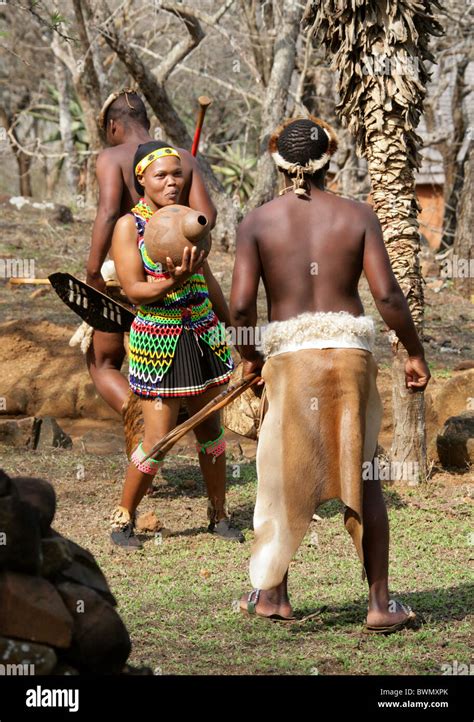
<point x="171" y="229"/>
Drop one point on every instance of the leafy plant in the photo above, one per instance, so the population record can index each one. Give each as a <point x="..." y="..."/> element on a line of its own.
<point x="49" y="113"/>
<point x="236" y="171"/>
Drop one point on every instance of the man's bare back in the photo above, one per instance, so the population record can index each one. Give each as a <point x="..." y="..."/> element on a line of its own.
<point x="311" y="253"/>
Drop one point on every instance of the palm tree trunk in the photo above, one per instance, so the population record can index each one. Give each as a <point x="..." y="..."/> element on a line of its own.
<point x="393" y="181"/>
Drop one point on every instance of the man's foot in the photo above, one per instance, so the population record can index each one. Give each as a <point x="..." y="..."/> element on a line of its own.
<point x="123" y="529"/>
<point x="397" y="616"/>
<point x="266" y="604"/>
<point x="225" y="529"/>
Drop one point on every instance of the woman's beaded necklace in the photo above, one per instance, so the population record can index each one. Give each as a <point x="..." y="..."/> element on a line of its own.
<point x="143" y="209"/>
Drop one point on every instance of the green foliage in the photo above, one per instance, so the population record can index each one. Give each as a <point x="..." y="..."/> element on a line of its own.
<point x="236" y="170"/>
<point x="49" y="113"/>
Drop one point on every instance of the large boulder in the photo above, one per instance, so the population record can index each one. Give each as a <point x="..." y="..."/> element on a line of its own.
<point x="20" y="537"/>
<point x="56" y="556"/>
<point x="39" y="494"/>
<point x="51" y="435"/>
<point x="455" y="444"/>
<point x="84" y="570"/>
<point x="32" y="609"/>
<point x="20" y="433"/>
<point x="100" y="643"/>
<point x="25" y="658"/>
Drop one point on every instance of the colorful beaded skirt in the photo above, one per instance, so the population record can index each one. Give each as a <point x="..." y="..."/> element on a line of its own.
<point x="195" y="367"/>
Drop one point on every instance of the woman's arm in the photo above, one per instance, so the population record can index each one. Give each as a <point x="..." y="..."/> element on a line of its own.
<point x="216" y="295"/>
<point x="130" y="271"/>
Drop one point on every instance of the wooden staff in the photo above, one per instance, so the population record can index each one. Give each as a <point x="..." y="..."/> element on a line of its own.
<point x="224" y="398"/>
<point x="204" y="103"/>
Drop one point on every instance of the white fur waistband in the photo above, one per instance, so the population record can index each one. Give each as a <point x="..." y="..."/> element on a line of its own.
<point x="318" y="330"/>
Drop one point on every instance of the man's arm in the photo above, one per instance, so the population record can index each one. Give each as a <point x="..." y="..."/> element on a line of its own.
<point x="199" y="198"/>
<point x="216" y="295"/>
<point x="243" y="295"/>
<point x="109" y="178"/>
<point x="391" y="302"/>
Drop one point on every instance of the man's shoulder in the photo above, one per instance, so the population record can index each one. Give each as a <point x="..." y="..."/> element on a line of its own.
<point x="113" y="155"/>
<point x="352" y="207"/>
<point x="358" y="206"/>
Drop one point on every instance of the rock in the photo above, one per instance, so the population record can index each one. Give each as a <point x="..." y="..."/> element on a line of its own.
<point x="87" y="402"/>
<point x="20" y="538"/>
<point x="51" y="435"/>
<point x="190" y="483"/>
<point x="64" y="670"/>
<point x="5" y="483"/>
<point x="448" y="399"/>
<point x="103" y="443"/>
<point x="60" y="403"/>
<point x="19" y="432"/>
<point x="14" y="401"/>
<point x="56" y="556"/>
<point x="33" y="610"/>
<point x="25" y="658"/>
<point x="41" y="495"/>
<point x="455" y="444"/>
<point x="85" y="570"/>
<point x="63" y="214"/>
<point x="100" y="643"/>
<point x="148" y="522"/>
<point x="137" y="671"/>
<point x="465" y="365"/>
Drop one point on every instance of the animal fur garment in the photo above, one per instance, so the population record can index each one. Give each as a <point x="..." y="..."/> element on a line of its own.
<point x="82" y="337"/>
<point x="321" y="424"/>
<point x="318" y="330"/>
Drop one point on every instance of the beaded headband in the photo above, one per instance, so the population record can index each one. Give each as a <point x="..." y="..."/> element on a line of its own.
<point x="141" y="167"/>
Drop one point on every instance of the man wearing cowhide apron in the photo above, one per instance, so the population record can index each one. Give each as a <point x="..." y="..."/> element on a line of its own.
<point x="323" y="410"/>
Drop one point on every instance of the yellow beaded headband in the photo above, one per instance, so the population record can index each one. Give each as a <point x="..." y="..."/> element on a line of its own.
<point x="141" y="167"/>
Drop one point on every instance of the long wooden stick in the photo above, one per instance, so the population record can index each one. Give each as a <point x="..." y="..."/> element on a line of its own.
<point x="204" y="103"/>
<point x="224" y="398"/>
<point x="45" y="282"/>
<point x="28" y="281"/>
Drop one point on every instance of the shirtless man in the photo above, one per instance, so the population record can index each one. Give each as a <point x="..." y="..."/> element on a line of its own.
<point x="125" y="125"/>
<point x="310" y="248"/>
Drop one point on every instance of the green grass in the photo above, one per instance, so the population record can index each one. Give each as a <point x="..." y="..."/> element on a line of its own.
<point x="178" y="597"/>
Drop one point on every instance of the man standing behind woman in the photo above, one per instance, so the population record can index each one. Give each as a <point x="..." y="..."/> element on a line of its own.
<point x="176" y="349"/>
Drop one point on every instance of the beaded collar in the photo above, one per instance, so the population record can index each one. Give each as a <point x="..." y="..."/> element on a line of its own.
<point x="143" y="210"/>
